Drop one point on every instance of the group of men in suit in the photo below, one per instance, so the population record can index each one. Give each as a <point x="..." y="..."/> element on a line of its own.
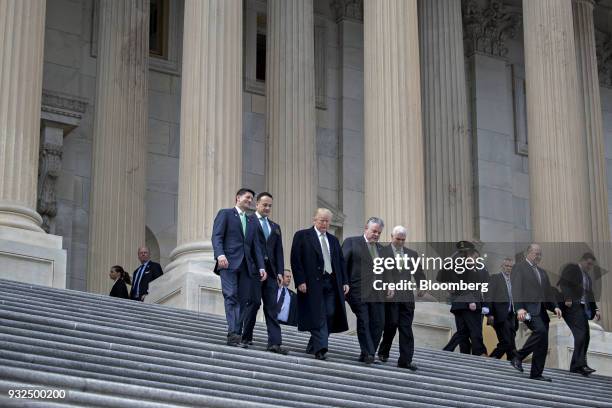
<point x="249" y="256"/>
<point x="380" y="314"/>
<point x="522" y="292"/>
<point x="250" y="261"/>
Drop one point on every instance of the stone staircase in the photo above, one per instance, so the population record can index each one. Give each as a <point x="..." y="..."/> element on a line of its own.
<point x="107" y="352"/>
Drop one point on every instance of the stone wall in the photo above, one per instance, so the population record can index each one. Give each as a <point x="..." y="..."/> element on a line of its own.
<point x="69" y="69"/>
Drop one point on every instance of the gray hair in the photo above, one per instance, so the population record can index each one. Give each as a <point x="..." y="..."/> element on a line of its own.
<point x="375" y="220"/>
<point x="399" y="229"/>
<point x="532" y="247"/>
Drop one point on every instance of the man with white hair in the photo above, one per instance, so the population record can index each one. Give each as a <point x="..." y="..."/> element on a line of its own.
<point x="399" y="309"/>
<point x="318" y="269"/>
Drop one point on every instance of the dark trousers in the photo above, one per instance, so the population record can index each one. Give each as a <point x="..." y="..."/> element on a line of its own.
<point x="229" y="287"/>
<point x="319" y="337"/>
<point x="398" y="316"/>
<point x="249" y="294"/>
<point x="269" y="291"/>
<point x="575" y="317"/>
<point x="465" y="347"/>
<point x="506" y="333"/>
<point x="469" y="328"/>
<point x="537" y="343"/>
<point x="370" y="324"/>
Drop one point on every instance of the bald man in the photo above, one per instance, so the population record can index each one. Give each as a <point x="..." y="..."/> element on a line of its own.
<point x="146" y="273"/>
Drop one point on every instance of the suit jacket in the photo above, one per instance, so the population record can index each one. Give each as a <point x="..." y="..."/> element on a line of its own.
<point x="308" y="267"/>
<point x="498" y="299"/>
<point x="528" y="293"/>
<point x="461" y="299"/>
<point x="273" y="248"/>
<point x="229" y="240"/>
<point x="397" y="275"/>
<point x="152" y="271"/>
<point x="359" y="264"/>
<point x="292" y="318"/>
<point x="119" y="289"/>
<point x="572" y="288"/>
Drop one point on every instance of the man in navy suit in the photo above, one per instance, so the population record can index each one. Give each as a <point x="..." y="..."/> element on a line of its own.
<point x="146" y="273"/>
<point x="319" y="272"/>
<point x="270" y="233"/>
<point x="240" y="262"/>
<point x="359" y="254"/>
<point x="532" y="296"/>
<point x="287" y="302"/>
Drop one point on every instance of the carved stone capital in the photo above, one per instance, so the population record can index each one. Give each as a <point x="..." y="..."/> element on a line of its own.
<point x="603" y="43"/>
<point x="60" y="114"/>
<point x="348" y="9"/>
<point x="487" y="26"/>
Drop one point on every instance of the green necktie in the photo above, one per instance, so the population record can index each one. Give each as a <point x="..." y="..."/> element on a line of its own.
<point x="243" y="221"/>
<point x="372" y="248"/>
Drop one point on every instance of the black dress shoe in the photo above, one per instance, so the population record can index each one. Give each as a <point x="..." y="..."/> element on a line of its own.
<point x="233" y="339"/>
<point x="581" y="370"/>
<point x="320" y="355"/>
<point x="361" y="358"/>
<point x="368" y="359"/>
<point x="410" y="366"/>
<point x="278" y="349"/>
<point x="541" y="378"/>
<point x="588" y="369"/>
<point x="383" y="358"/>
<point x="517" y="363"/>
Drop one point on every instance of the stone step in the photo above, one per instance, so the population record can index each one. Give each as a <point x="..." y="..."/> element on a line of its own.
<point x="53" y="338"/>
<point x="193" y="370"/>
<point x="264" y="360"/>
<point x="89" y="392"/>
<point x="218" y="335"/>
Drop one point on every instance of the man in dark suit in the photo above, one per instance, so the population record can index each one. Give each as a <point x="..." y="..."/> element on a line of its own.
<point x="467" y="306"/>
<point x="270" y="233"/>
<point x="359" y="253"/>
<point x="501" y="311"/>
<point x="286" y="301"/>
<point x="533" y="295"/>
<point x="399" y="312"/>
<point x="146" y="273"/>
<point x="240" y="263"/>
<point x="578" y="308"/>
<point x="319" y="271"/>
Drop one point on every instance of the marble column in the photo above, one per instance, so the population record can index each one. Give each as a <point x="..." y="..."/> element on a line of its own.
<point x="117" y="217"/>
<point x="291" y="172"/>
<point x="557" y="152"/>
<point x="27" y="253"/>
<point x="21" y="66"/>
<point x="448" y="171"/>
<point x="210" y="158"/>
<point x="394" y="168"/>
<point x="591" y="116"/>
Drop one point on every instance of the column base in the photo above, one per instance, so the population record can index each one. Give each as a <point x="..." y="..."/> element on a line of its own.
<point x="32" y="257"/>
<point x="190" y="285"/>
